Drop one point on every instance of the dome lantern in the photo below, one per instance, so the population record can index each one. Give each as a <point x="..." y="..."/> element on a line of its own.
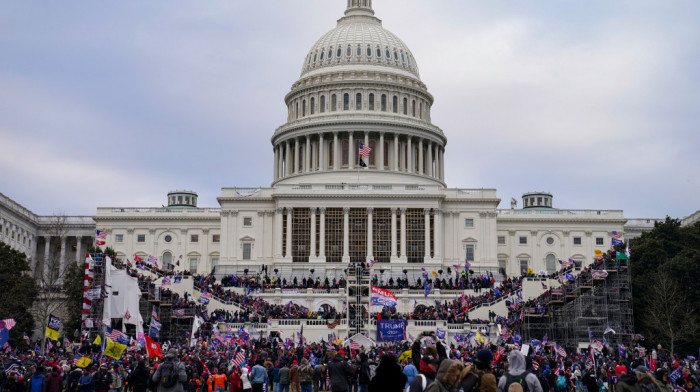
<point x="359" y="7"/>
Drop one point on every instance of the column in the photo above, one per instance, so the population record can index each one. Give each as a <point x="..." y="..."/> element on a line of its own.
<point x="437" y="161"/>
<point x="370" y="236"/>
<point x="321" y="156"/>
<point x="427" y="233"/>
<point x="287" y="158"/>
<point x="278" y="229"/>
<point x="47" y="247"/>
<point x="346" y="235"/>
<point x="312" y="252"/>
<point x="289" y="234"/>
<point x="437" y="252"/>
<point x="336" y="161"/>
<point x="296" y="156"/>
<point x="79" y="258"/>
<point x="307" y="158"/>
<point x="276" y="168"/>
<point x="442" y="163"/>
<point x="380" y="164"/>
<point x="420" y="157"/>
<point x="233" y="232"/>
<point x="403" y="233"/>
<point x="395" y="161"/>
<point x="351" y="151"/>
<point x="367" y="144"/>
<point x="430" y="159"/>
<point x="409" y="156"/>
<point x="393" y="233"/>
<point x="62" y="260"/>
<point x="322" y="235"/>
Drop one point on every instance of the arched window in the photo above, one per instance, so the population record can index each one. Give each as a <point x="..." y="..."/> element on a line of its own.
<point x="379" y="53"/>
<point x="551" y="266"/>
<point x="303" y="108"/>
<point x="369" y="52"/>
<point x="386" y="154"/>
<point x="323" y="104"/>
<point x="330" y="53"/>
<point x="345" y="153"/>
<point x="388" y="55"/>
<point x="395" y="104"/>
<point x="405" y="106"/>
<point x="359" y="51"/>
<point x="420" y="111"/>
<point x="358" y="101"/>
<point x="383" y="102"/>
<point x="372" y="160"/>
<point x="413" y="108"/>
<point x="313" y="105"/>
<point x="371" y="102"/>
<point x="349" y="51"/>
<point x="334" y="103"/>
<point x="322" y="51"/>
<point x="167" y="260"/>
<point x="340" y="52"/>
<point x="297" y="109"/>
<point x="346" y="101"/>
<point x="331" y="154"/>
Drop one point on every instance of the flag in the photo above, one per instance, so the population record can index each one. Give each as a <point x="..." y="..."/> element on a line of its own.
<point x="354" y="345"/>
<point x="427" y="289"/>
<point x="82" y="362"/>
<point x="497" y="291"/>
<point x="544" y="286"/>
<point x="440" y="333"/>
<point x="100" y="234"/>
<point x="4" y="334"/>
<point x="153" y="349"/>
<point x="137" y="259"/>
<point x="535" y="365"/>
<point x="621" y="349"/>
<point x="99" y="242"/>
<point x="114" y="349"/>
<point x="178" y="279"/>
<point x="627" y="249"/>
<point x="599" y="274"/>
<point x="9" y="323"/>
<point x="98" y="340"/>
<point x="116" y="335"/>
<point x="608" y="330"/>
<point x="621" y="256"/>
<point x="570" y="277"/>
<point x="616" y="235"/>
<point x="598" y="253"/>
<point x="590" y="334"/>
<point x="166" y="282"/>
<point x="239" y="359"/>
<point x="51" y="333"/>
<point x="364" y="153"/>
<point x="479" y="338"/>
<point x="560" y="350"/>
<point x="616" y="242"/>
<point x="154" y="314"/>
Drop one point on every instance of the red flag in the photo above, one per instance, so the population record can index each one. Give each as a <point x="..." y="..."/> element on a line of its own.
<point x="153" y="349"/>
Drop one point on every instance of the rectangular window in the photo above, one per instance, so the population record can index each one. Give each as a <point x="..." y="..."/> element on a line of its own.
<point x="119" y="238"/>
<point x="141" y="238"/>
<point x="469" y="223"/>
<point x="193" y="265"/>
<point x="501" y="240"/>
<point x="523" y="266"/>
<point x="214" y="262"/>
<point x="470" y="253"/>
<point x="194" y="238"/>
<point x="599" y="240"/>
<point x="216" y="238"/>
<point x="523" y="240"/>
<point x="246" y="251"/>
<point x="247" y="221"/>
<point x="502" y="267"/>
<point x="577" y="240"/>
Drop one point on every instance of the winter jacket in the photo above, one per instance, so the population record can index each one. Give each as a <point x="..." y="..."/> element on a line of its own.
<point x="627" y="383"/>
<point x="284" y="375"/>
<point x="339" y="371"/>
<point x="138" y="379"/>
<point x="54" y="382"/>
<point x="245" y="379"/>
<point x="37" y="382"/>
<point x="179" y="370"/>
<point x="258" y="375"/>
<point x="85" y="383"/>
<point x="440" y="384"/>
<point x="389" y="377"/>
<point x="410" y="372"/>
<point x="101" y="380"/>
<point x="516" y="367"/>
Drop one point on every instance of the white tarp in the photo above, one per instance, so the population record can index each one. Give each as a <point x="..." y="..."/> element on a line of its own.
<point x="362" y="340"/>
<point x="123" y="295"/>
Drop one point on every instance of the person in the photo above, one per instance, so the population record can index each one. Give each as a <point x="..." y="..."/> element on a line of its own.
<point x="220" y="380"/>
<point x="54" y="382"/>
<point x="428" y="366"/>
<point x="138" y="379"/>
<point x="644" y="381"/>
<point x="194" y="384"/>
<point x="478" y="377"/>
<point x="625" y="382"/>
<point x="447" y="378"/>
<point x="410" y="372"/>
<point x="117" y="379"/>
<point x="306" y="376"/>
<point x="37" y="382"/>
<point x="171" y="375"/>
<point x="590" y="381"/>
<point x="661" y="380"/>
<point x="14" y="383"/>
<point x="284" y="378"/>
<point x="235" y="383"/>
<point x="245" y="380"/>
<point x="363" y="376"/>
<point x="275" y="377"/>
<point x="101" y="380"/>
<point x="258" y="376"/>
<point x="389" y="377"/>
<point x="517" y="373"/>
<point x="318" y="376"/>
<point x="339" y="372"/>
<point x="85" y="381"/>
<point x="72" y="379"/>
<point x="294" y="383"/>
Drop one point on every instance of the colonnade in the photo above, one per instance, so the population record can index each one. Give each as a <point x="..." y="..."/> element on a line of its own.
<point x="57" y="253"/>
<point x="328" y="151"/>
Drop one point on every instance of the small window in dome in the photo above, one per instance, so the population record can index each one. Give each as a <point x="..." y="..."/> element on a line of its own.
<point x="396" y="56"/>
<point x="309" y="63"/>
<point x="330" y="54"/>
<point x="340" y="52"/>
<point x="348" y="52"/>
<point x="379" y="53"/>
<point x="388" y="55"/>
<point x="315" y="55"/>
<point x="369" y="52"/>
<point x="403" y="58"/>
<point x="359" y="52"/>
<point x="321" y="56"/>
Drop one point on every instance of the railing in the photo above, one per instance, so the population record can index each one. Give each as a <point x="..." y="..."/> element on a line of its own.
<point x="553" y="211"/>
<point x="161" y="210"/>
<point x="425" y="323"/>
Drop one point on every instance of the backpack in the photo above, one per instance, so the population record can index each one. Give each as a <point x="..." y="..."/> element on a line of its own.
<point x="168" y="374"/>
<point x="561" y="382"/>
<point x="423" y="382"/>
<point x="520" y="379"/>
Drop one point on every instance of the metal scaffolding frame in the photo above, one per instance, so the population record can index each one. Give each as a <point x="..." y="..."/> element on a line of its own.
<point x="358" y="299"/>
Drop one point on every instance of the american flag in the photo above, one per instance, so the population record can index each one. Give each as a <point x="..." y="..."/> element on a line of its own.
<point x="154" y="314"/>
<point x="116" y="335"/>
<point x="178" y="312"/>
<point x="9" y="323"/>
<point x="239" y="359"/>
<point x="354" y="345"/>
<point x="151" y="259"/>
<point x="100" y="234"/>
<point x="560" y="350"/>
<point x="616" y="235"/>
<point x="535" y="365"/>
<point x="364" y="150"/>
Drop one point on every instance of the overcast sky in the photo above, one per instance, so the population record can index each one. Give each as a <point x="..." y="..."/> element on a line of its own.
<point x="114" y="103"/>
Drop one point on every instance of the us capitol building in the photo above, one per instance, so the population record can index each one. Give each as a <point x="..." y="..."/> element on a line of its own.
<point x="359" y="84"/>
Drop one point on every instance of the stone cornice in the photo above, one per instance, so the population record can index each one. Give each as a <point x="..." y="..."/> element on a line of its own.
<point x="367" y="84"/>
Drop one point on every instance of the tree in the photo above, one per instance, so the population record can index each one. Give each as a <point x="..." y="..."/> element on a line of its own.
<point x="664" y="261"/>
<point x="19" y="291"/>
<point x="74" y="283"/>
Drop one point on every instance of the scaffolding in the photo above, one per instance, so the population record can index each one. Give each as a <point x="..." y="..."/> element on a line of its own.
<point x="601" y="307"/>
<point x="91" y="324"/>
<point x="358" y="299"/>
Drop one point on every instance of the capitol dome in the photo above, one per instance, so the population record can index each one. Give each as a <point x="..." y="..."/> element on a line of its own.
<point x="359" y="40"/>
<point x="359" y="92"/>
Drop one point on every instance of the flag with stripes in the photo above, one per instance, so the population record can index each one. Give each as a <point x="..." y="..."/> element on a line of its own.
<point x="9" y="323"/>
<point x="354" y="345"/>
<point x="116" y="335"/>
<point x="239" y="359"/>
<point x="364" y="154"/>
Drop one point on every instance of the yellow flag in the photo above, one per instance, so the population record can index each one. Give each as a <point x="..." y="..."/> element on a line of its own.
<point x="83" y="362"/>
<point x="598" y="253"/>
<point x="479" y="338"/>
<point x="98" y="340"/>
<point x="434" y="273"/>
<point x="405" y="355"/>
<point x="51" y="333"/>
<point x="114" y="349"/>
<point x="530" y="271"/>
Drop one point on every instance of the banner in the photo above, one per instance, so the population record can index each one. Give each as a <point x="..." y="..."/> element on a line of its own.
<point x="114" y="349"/>
<point x="599" y="274"/>
<point x="51" y="334"/>
<point x="93" y="293"/>
<point x="382" y="297"/>
<point x="391" y="330"/>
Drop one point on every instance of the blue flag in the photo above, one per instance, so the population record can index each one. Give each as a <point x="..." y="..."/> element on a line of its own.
<point x="440" y="333"/>
<point x="570" y="277"/>
<point x="497" y="291"/>
<point x="427" y="289"/>
<point x="4" y="334"/>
